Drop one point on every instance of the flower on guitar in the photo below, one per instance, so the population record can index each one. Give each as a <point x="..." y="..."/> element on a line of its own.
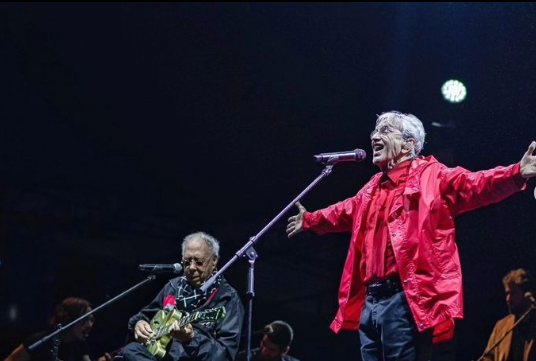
<point x="169" y="301"/>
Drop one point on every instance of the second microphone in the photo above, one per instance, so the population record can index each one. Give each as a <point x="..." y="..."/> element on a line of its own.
<point x="161" y="268"/>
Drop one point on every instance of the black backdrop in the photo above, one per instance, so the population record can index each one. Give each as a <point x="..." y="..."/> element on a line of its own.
<point x="125" y="127"/>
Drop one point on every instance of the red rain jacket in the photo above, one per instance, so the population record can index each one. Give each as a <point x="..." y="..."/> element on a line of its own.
<point x="421" y="224"/>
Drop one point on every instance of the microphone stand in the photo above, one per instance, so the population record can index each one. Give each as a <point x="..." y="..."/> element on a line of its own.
<point x="59" y="328"/>
<point x="248" y="251"/>
<point x="525" y="315"/>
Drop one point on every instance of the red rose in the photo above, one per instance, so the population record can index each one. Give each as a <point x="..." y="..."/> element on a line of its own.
<point x="169" y="300"/>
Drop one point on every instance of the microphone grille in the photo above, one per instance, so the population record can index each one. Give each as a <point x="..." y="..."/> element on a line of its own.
<point x="361" y="154"/>
<point x="177" y="267"/>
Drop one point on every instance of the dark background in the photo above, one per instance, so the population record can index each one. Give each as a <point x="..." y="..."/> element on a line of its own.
<point x="125" y="127"/>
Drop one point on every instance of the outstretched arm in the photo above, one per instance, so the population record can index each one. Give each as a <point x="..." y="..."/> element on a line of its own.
<point x="464" y="190"/>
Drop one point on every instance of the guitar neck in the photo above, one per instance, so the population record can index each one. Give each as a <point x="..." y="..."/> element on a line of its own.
<point x="183" y="321"/>
<point x="186" y="320"/>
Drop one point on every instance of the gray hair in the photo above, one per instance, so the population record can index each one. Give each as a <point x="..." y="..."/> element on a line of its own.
<point x="412" y="128"/>
<point x="211" y="242"/>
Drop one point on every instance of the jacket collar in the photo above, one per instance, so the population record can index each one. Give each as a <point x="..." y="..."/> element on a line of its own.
<point x="413" y="184"/>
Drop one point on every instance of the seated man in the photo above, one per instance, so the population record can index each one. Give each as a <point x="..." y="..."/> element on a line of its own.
<point x="275" y="344"/>
<point x="518" y="345"/>
<point x="204" y="339"/>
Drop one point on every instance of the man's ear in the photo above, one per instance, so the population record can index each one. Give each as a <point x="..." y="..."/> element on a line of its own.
<point x="409" y="144"/>
<point x="215" y="261"/>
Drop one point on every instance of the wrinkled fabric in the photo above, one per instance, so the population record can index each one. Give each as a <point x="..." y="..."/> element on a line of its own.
<point x="421" y="227"/>
<point x="379" y="260"/>
<point x="387" y="331"/>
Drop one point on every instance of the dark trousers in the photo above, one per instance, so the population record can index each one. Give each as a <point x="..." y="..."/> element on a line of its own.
<point x="135" y="351"/>
<point x="388" y="332"/>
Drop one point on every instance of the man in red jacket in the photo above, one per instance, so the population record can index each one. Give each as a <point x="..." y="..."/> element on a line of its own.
<point x="402" y="275"/>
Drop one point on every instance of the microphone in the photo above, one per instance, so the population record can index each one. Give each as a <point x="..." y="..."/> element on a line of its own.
<point x="530" y="297"/>
<point x="356" y="155"/>
<point x="161" y="268"/>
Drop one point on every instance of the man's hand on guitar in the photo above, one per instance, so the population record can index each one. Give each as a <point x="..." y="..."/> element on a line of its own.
<point x="184" y="333"/>
<point x="142" y="331"/>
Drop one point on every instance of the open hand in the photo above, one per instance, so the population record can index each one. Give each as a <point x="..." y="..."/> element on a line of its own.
<point x="528" y="162"/>
<point x="295" y="223"/>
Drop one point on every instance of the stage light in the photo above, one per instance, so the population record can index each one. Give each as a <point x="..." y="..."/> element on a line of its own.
<point x="454" y="91"/>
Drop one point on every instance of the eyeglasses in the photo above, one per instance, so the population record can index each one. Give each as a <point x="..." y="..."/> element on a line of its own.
<point x="384" y="130"/>
<point x="187" y="262"/>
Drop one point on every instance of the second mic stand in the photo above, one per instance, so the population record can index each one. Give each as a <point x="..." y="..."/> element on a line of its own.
<point x="248" y="251"/>
<point x="525" y="315"/>
<point x="59" y="328"/>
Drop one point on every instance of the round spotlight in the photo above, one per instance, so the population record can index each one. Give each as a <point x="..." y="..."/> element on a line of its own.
<point x="454" y="91"/>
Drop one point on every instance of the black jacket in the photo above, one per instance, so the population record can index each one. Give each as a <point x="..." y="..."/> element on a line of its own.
<point x="212" y="341"/>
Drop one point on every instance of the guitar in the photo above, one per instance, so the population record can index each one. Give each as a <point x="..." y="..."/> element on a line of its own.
<point x="163" y="320"/>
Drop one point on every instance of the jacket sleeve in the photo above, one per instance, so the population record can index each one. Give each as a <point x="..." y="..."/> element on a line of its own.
<point x="464" y="191"/>
<point x="338" y="217"/>
<point x="222" y="346"/>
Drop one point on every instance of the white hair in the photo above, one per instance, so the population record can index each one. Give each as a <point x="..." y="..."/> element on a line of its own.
<point x="412" y="128"/>
<point x="211" y="242"/>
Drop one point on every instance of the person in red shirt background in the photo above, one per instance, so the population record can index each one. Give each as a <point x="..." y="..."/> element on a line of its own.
<point x="402" y="283"/>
